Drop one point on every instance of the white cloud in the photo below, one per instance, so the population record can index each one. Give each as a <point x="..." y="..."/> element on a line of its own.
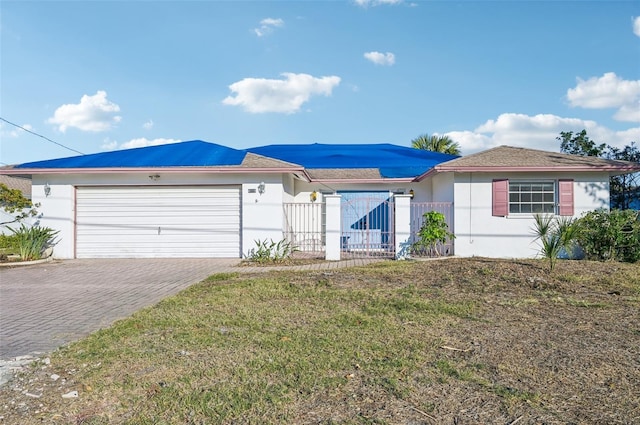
<point x="259" y="95"/>
<point x="277" y="22"/>
<point x="267" y="26"/>
<point x="13" y="132"/>
<point x="636" y="26"/>
<point x="110" y="145"/>
<point x="536" y="132"/>
<point x="470" y="142"/>
<point x="381" y="58"/>
<point x="148" y="125"/>
<point x="608" y="91"/>
<point x="93" y="113"/>
<point x="625" y="137"/>
<point x="628" y="113"/>
<point x="367" y="3"/>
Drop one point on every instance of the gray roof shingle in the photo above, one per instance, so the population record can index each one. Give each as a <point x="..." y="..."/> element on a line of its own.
<point x="20" y="183"/>
<point x="523" y="158"/>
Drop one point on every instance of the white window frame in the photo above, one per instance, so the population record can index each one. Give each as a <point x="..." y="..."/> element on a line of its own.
<point x="531" y="202"/>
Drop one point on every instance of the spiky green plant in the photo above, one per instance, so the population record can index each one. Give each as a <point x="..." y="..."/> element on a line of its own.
<point x="567" y="231"/>
<point x="435" y="143"/>
<point x="32" y="241"/>
<point x="555" y="234"/>
<point x="268" y="251"/>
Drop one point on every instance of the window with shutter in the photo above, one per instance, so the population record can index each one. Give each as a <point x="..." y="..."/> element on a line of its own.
<point x="532" y="197"/>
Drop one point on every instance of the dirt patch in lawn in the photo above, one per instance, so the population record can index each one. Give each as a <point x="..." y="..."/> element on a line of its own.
<point x="457" y="341"/>
<point x="540" y="347"/>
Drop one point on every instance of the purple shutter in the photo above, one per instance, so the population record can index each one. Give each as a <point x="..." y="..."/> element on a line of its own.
<point x="565" y="197"/>
<point x="500" y="198"/>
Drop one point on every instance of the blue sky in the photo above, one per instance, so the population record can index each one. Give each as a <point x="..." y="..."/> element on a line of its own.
<point x="99" y="76"/>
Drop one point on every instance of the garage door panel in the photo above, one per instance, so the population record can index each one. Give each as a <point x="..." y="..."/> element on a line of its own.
<point x="185" y="221"/>
<point x="162" y="219"/>
<point x="108" y="235"/>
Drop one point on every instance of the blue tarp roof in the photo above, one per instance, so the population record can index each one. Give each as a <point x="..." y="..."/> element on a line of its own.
<point x="393" y="161"/>
<point x="195" y="153"/>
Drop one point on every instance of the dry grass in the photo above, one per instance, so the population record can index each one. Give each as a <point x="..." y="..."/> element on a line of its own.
<point x="462" y="341"/>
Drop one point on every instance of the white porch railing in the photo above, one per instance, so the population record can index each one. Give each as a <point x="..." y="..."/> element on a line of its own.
<point x="304" y="227"/>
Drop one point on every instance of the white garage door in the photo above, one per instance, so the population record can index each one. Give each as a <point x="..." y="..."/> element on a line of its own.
<point x="165" y="221"/>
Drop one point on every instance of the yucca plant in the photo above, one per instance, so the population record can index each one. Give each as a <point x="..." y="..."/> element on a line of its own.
<point x="32" y="241"/>
<point x="268" y="251"/>
<point x="567" y="230"/>
<point x="555" y="234"/>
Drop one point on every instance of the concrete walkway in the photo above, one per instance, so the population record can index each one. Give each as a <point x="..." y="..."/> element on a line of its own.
<point x="45" y="306"/>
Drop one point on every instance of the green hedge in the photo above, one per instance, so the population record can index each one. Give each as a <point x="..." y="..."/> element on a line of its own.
<point x="610" y="235"/>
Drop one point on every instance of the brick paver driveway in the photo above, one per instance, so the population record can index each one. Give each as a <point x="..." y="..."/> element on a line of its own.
<point x="48" y="305"/>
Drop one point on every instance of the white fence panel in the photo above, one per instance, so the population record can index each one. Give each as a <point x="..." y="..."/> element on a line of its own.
<point x="304" y="227"/>
<point x="417" y="211"/>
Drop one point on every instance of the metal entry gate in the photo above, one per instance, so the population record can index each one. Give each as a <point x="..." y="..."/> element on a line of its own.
<point x="367" y="224"/>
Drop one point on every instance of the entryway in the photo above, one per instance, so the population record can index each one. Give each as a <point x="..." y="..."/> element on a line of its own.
<point x="367" y="224"/>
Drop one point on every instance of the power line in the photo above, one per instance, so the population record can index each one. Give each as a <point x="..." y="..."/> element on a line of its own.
<point x="40" y="135"/>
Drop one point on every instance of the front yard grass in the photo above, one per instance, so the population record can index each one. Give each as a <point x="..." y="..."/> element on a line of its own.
<point x="465" y="341"/>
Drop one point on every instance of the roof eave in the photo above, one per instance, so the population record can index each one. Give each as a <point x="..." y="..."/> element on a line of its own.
<point x="489" y="169"/>
<point x="305" y="176"/>
<point x="423" y="176"/>
<point x="166" y="170"/>
<point x="380" y="180"/>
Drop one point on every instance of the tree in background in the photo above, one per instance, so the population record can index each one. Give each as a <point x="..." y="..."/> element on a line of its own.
<point x="625" y="189"/>
<point x="580" y="144"/>
<point x="14" y="203"/>
<point x="435" y="143"/>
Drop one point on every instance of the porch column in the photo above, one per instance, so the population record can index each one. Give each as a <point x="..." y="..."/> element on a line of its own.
<point x="402" y="226"/>
<point x="333" y="227"/>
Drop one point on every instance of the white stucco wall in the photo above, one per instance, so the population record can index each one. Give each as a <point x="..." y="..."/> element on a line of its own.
<point x="288" y="186"/>
<point x="478" y="233"/>
<point x="56" y="211"/>
<point x="262" y="214"/>
<point x="442" y="187"/>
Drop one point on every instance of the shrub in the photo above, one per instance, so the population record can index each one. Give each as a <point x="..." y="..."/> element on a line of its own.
<point x="434" y="231"/>
<point x="32" y="241"/>
<point x="268" y="251"/>
<point x="555" y="235"/>
<point x="610" y="235"/>
<point x="9" y="243"/>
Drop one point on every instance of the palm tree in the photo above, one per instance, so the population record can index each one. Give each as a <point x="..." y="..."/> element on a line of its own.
<point x="435" y="143"/>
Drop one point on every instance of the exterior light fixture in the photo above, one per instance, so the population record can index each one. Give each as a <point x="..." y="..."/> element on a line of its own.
<point x="261" y="188"/>
<point x="47" y="189"/>
<point x="412" y="193"/>
<point x="154" y="177"/>
<point x="313" y="196"/>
